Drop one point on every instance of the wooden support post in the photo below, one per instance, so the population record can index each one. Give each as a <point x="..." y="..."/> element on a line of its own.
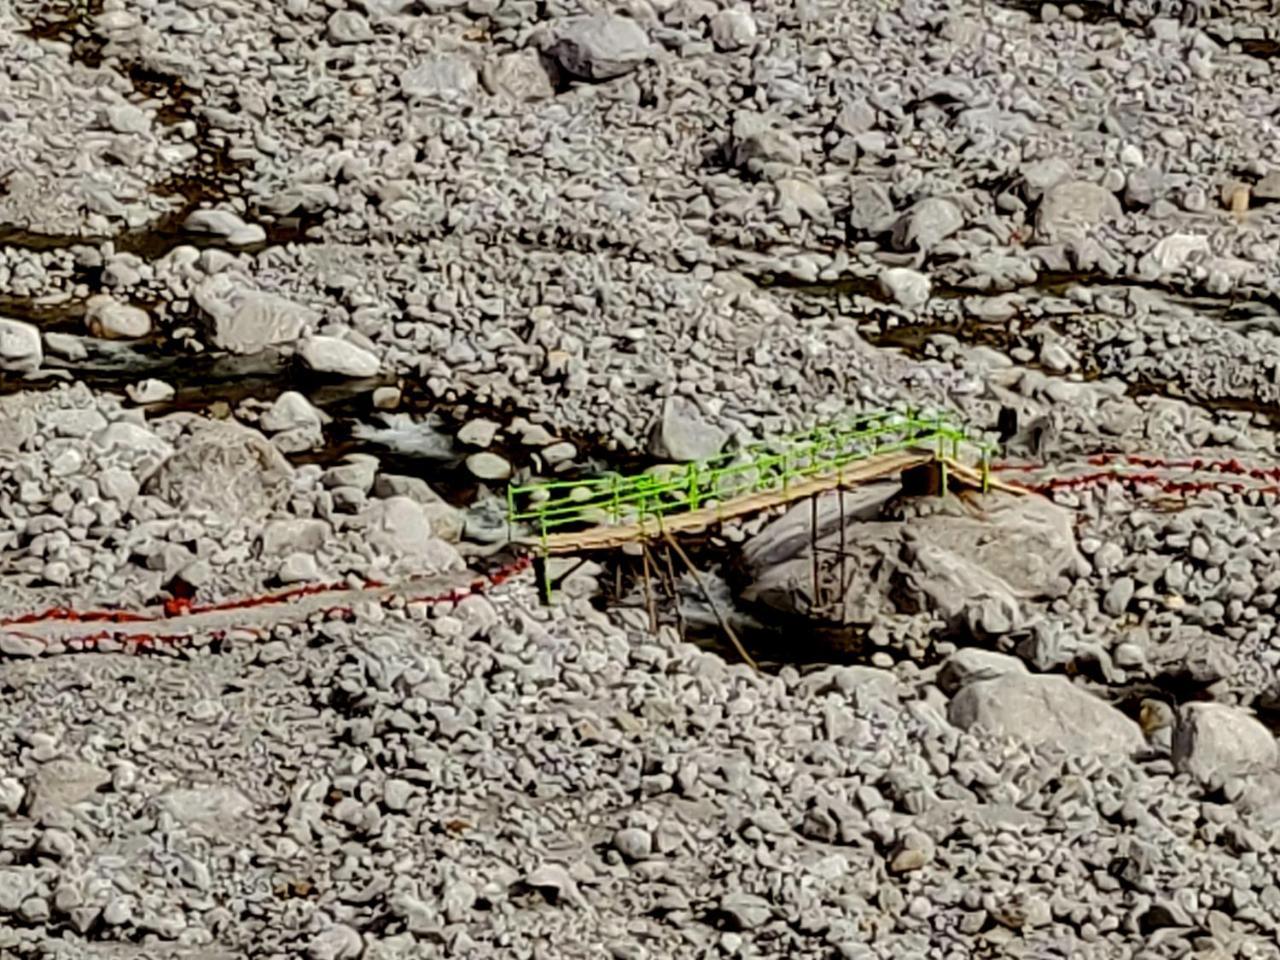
<point x="715" y="607"/>
<point x="813" y="550"/>
<point x="648" y="589"/>
<point x="840" y="597"/>
<point x="673" y="590"/>
<point x="541" y="579"/>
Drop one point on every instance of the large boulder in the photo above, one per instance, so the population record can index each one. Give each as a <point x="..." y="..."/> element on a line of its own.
<point x="600" y="47"/>
<point x="246" y="320"/>
<point x="1215" y="741"/>
<point x="682" y="435"/>
<point x="1040" y="709"/>
<point x="20" y="348"/>
<point x="1071" y="210"/>
<point x="977" y="568"/>
<point x="227" y="469"/>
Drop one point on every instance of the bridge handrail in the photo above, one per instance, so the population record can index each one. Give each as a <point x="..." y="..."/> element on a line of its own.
<point x="768" y="465"/>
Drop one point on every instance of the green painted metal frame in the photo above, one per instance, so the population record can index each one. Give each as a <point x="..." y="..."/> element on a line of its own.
<point x="768" y="466"/>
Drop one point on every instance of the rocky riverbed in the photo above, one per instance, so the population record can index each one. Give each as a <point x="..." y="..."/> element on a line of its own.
<point x="290" y="291"/>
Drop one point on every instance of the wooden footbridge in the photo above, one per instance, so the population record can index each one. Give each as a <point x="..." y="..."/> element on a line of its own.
<point x="610" y="512"/>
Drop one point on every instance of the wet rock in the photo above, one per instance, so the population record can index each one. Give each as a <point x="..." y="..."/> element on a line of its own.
<point x="227" y="225"/>
<point x="488" y="466"/>
<point x="246" y="320"/>
<point x="324" y="354"/>
<point x="682" y="435"/>
<point x="906" y="287"/>
<point x="479" y="432"/>
<point x="226" y="469"/>
<point x="600" y="47"/>
<point x="109" y="319"/>
<point x="1214" y="741"/>
<point x="20" y="350"/>
<point x="1039" y="709"/>
<point x="150" y="391"/>
<point x="292" y="411"/>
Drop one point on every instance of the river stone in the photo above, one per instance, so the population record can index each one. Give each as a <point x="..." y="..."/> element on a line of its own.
<point x="62" y="783"/>
<point x="600" y="47"/>
<point x="479" y="432"/>
<point x="347" y="26"/>
<point x="488" y="466"/>
<point x="444" y="77"/>
<point x="519" y="76"/>
<point x="971" y="664"/>
<point x="227" y="469"/>
<point x="906" y="287"/>
<point x="1215" y="741"/>
<point x="870" y="207"/>
<point x="20" y="349"/>
<point x="682" y="435"/>
<point x="733" y="29"/>
<point x="1070" y="210"/>
<point x="337" y="356"/>
<point x="247" y="320"/>
<point x="105" y="317"/>
<point x="1040" y="709"/>
<point x="927" y="224"/>
<point x="225" y="224"/>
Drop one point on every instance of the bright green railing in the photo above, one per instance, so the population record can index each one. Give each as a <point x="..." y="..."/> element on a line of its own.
<point x="769" y="466"/>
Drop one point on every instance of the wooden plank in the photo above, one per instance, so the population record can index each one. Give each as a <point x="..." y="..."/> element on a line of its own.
<point x="612" y="537"/>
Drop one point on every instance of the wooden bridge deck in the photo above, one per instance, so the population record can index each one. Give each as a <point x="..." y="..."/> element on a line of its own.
<point x="609" y="537"/>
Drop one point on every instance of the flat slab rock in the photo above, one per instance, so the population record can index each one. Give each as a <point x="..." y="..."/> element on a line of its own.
<point x="1050" y="710"/>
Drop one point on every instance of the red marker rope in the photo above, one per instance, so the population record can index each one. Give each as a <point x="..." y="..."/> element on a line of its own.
<point x="180" y="606"/>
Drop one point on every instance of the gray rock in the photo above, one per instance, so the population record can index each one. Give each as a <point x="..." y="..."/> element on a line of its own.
<point x="746" y="911"/>
<point x="488" y="466"/>
<point x="1214" y="741"/>
<point x="396" y="795"/>
<point x="870" y="207"/>
<point x="519" y="76"/>
<point x="247" y="320"/>
<point x="347" y="26"/>
<point x="906" y="287"/>
<point x="107" y="318"/>
<point x="600" y="47"/>
<point x="339" y="942"/>
<point x="20" y="350"/>
<point x="927" y="224"/>
<point x="1072" y="209"/>
<point x="682" y="435"/>
<point x="298" y="568"/>
<point x="447" y="77"/>
<point x="733" y="29"/>
<point x="292" y="411"/>
<point x="1039" y="709"/>
<point x="398" y="526"/>
<point x="970" y="665"/>
<point x="227" y="225"/>
<point x="225" y="469"/>
<point x="479" y="432"/>
<point x="633" y="843"/>
<point x="325" y="354"/>
<point x="756" y="142"/>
